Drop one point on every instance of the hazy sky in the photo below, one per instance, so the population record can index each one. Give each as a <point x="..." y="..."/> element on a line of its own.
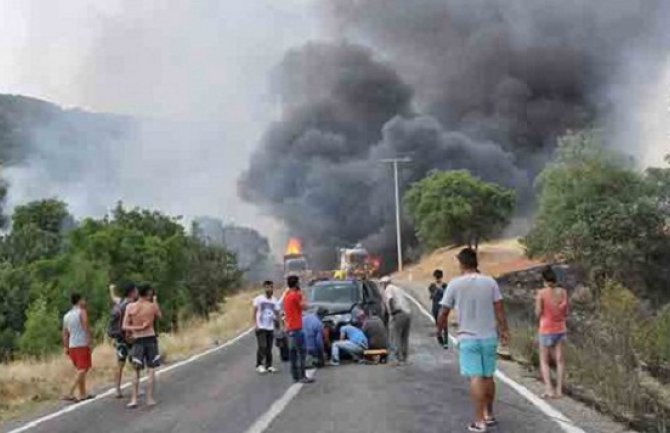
<point x="148" y="57"/>
<point x="206" y="62"/>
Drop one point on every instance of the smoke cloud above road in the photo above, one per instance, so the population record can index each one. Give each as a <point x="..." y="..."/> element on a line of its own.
<point x="481" y="85"/>
<point x="486" y="86"/>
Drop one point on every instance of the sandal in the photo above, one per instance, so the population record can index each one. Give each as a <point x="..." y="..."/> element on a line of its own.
<point x="131" y="406"/>
<point x="70" y="398"/>
<point x="478" y="427"/>
<point x="491" y="421"/>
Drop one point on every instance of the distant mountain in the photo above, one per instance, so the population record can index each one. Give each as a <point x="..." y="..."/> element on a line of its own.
<point x="24" y="121"/>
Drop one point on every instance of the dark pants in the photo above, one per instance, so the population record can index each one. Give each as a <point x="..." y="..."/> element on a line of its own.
<point x="264" y="353"/>
<point x="297" y="353"/>
<point x="437" y="308"/>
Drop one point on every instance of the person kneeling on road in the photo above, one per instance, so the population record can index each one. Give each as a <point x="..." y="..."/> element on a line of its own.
<point x="314" y="339"/>
<point x="375" y="331"/>
<point x="352" y="341"/>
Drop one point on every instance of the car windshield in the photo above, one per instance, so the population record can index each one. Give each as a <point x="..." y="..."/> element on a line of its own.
<point x="296" y="265"/>
<point x="335" y="292"/>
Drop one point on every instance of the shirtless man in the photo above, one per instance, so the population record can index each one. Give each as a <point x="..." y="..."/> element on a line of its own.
<point x="139" y="321"/>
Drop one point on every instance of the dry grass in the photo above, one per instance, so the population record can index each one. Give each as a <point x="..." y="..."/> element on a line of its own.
<point x="234" y="317"/>
<point x="495" y="259"/>
<point x="26" y="382"/>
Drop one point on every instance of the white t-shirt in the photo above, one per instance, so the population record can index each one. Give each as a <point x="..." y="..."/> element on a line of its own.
<point x="399" y="299"/>
<point x="266" y="312"/>
<point x="473" y="296"/>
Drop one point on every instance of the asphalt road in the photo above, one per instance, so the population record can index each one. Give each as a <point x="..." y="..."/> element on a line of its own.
<point x="221" y="392"/>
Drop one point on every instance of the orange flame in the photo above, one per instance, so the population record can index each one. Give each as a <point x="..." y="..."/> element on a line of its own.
<point x="294" y="246"/>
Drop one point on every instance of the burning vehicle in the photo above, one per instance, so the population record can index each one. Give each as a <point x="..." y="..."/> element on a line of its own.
<point x="356" y="262"/>
<point x="295" y="262"/>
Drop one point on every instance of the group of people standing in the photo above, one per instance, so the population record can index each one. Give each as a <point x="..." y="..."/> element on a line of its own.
<point x="475" y="297"/>
<point x="131" y="328"/>
<point x="267" y="312"/>
<point x="310" y="343"/>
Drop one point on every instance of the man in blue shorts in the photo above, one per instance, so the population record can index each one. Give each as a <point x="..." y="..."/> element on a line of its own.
<point x="481" y="322"/>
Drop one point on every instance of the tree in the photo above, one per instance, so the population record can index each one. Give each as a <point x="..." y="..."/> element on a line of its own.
<point x="213" y="274"/>
<point x="42" y="333"/>
<point x="49" y="215"/>
<point x="595" y="210"/>
<point x="15" y="283"/>
<point x="38" y="230"/>
<point x="456" y="207"/>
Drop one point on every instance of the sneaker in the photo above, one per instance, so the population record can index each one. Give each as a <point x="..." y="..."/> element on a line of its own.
<point x="333" y="364"/>
<point x="307" y="380"/>
<point x="261" y="370"/>
<point x="271" y="369"/>
<point x="478" y="427"/>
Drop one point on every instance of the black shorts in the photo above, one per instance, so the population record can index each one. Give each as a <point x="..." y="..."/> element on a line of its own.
<point x="144" y="353"/>
<point x="123" y="349"/>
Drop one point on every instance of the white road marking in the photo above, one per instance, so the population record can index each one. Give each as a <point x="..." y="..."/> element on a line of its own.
<point x="110" y="392"/>
<point x="567" y="425"/>
<point x="264" y="421"/>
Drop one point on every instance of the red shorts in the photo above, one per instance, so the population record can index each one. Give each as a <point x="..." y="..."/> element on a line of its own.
<point x="81" y="357"/>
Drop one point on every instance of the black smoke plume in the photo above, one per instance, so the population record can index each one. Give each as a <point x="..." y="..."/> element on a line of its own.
<point x="485" y="86"/>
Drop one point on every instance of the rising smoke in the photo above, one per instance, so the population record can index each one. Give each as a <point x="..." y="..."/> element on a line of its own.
<point x="482" y="85"/>
<point x="486" y="86"/>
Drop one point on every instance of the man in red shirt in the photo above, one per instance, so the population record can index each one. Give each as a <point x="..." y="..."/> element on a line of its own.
<point x="294" y="304"/>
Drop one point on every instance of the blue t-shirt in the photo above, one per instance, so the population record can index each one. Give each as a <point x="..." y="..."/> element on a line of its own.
<point x="354" y="335"/>
<point x="313" y="330"/>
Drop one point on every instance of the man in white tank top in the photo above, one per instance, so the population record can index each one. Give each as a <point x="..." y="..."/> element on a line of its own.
<point x="77" y="345"/>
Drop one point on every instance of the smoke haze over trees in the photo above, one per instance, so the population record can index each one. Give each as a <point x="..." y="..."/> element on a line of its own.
<point x="252" y="250"/>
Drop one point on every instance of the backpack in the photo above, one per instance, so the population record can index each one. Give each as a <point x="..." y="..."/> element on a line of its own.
<point x="114" y="328"/>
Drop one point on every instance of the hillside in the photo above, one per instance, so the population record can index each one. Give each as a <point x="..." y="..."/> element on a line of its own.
<point x="495" y="258"/>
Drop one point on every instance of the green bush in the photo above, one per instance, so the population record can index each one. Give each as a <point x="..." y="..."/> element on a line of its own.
<point x="43" y="331"/>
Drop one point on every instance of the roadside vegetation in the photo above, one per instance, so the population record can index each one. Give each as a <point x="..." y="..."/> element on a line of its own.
<point x="47" y="254"/>
<point x="606" y="221"/>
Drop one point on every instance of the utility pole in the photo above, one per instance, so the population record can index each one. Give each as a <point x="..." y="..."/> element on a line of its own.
<point x="395" y="162"/>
